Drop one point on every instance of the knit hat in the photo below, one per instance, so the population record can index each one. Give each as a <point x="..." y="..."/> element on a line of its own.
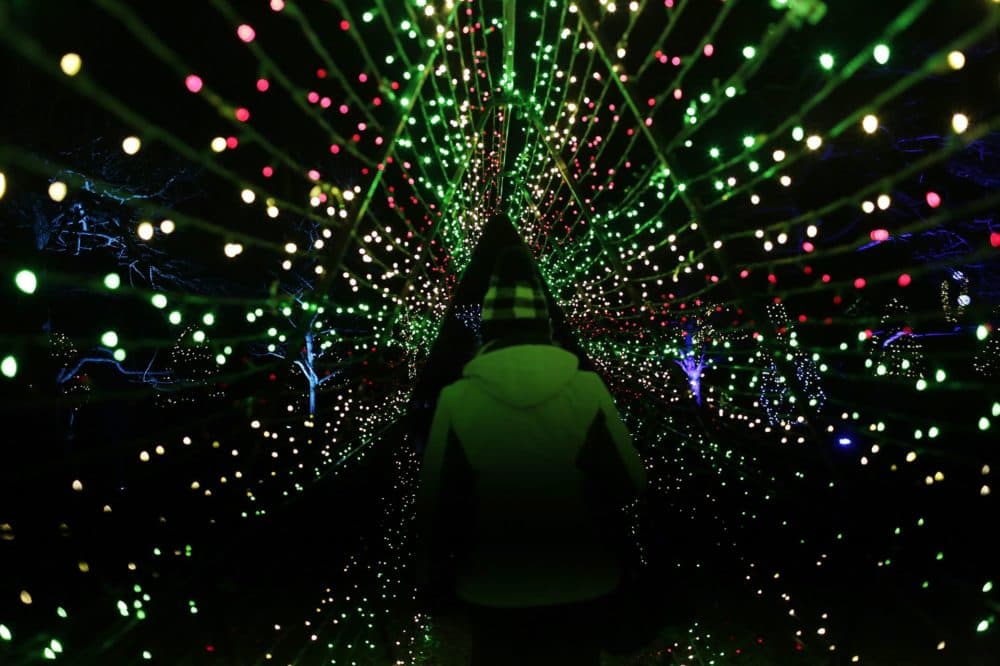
<point x="515" y="305"/>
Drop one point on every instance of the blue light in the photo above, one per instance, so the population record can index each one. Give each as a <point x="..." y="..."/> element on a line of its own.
<point x="844" y="441"/>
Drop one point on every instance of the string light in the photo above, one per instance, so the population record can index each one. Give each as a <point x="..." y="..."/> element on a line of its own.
<point x="960" y="123"/>
<point x="58" y="191"/>
<point x="131" y="145"/>
<point x="26" y="281"/>
<point x="193" y="83"/>
<point x="246" y="33"/>
<point x="70" y="64"/>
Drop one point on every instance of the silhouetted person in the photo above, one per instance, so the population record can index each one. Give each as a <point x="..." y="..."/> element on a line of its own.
<point x="522" y="452"/>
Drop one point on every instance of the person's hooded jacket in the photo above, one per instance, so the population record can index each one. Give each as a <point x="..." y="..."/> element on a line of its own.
<point x="503" y="481"/>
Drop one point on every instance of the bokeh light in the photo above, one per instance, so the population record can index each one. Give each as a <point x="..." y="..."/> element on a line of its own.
<point x="71" y="64"/>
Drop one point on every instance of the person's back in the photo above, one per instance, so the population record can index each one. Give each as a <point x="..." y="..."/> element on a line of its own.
<point x="505" y="460"/>
<point x="523" y="414"/>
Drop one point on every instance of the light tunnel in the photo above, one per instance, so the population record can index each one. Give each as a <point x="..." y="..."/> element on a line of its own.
<point x="245" y="245"/>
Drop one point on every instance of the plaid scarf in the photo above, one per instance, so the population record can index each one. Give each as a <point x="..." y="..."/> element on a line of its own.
<point x="523" y="299"/>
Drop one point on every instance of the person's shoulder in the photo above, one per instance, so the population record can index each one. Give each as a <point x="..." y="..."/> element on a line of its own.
<point x="591" y="382"/>
<point x="448" y="389"/>
<point x="587" y="380"/>
<point x="588" y="377"/>
<point x="453" y="389"/>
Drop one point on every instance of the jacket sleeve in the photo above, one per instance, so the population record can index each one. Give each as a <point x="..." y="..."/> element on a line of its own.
<point x="620" y="435"/>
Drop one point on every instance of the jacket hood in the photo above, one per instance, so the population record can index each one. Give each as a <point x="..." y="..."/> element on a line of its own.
<point x="523" y="375"/>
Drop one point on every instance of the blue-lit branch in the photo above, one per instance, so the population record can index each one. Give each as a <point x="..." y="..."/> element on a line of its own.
<point x="307" y="364"/>
<point x="312" y="351"/>
<point x="147" y="376"/>
<point x="692" y="369"/>
<point x="899" y="334"/>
